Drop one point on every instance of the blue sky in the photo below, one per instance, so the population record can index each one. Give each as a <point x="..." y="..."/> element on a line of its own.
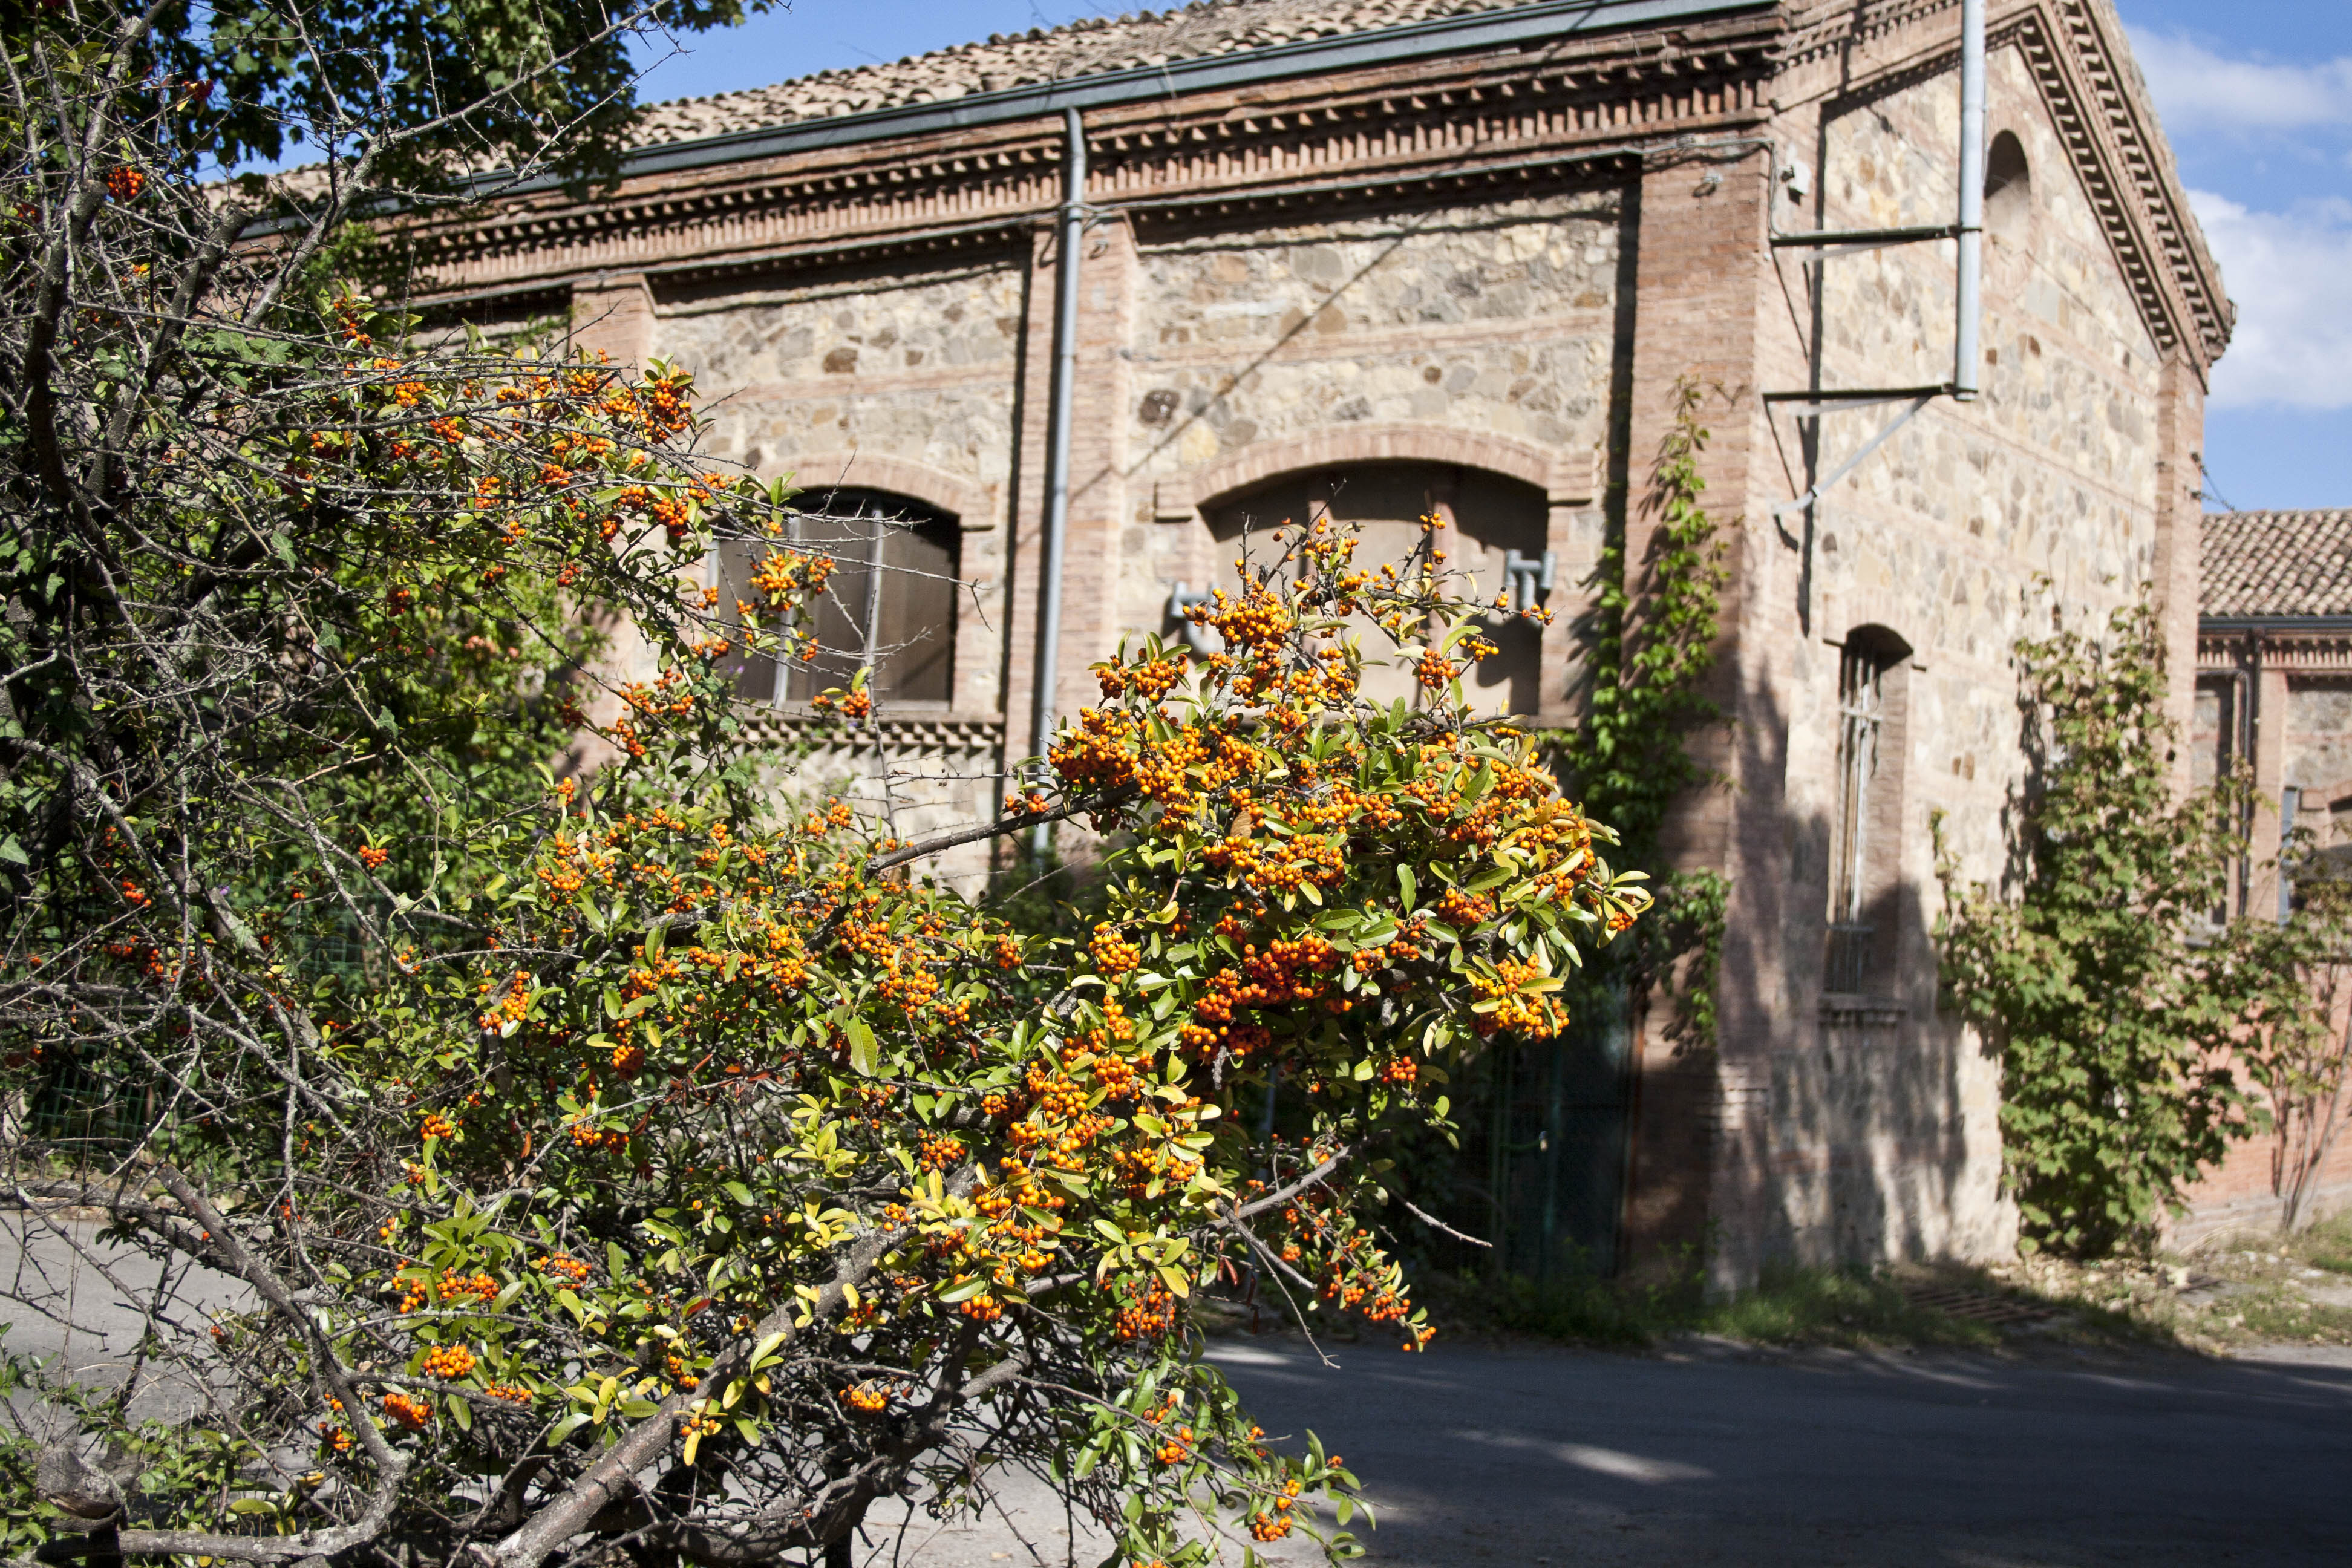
<point x="2256" y="94"/>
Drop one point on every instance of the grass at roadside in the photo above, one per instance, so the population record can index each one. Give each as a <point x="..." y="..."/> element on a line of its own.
<point x="2222" y="1295"/>
<point x="1848" y="1308"/>
<point x="2212" y="1300"/>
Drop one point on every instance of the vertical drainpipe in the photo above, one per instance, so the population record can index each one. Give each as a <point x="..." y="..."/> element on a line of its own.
<point x="1967" y="353"/>
<point x="1058" y="444"/>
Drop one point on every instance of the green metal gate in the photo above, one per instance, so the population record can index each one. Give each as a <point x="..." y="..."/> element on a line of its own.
<point x="1544" y="1127"/>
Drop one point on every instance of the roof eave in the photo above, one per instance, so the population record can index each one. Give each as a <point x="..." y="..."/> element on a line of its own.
<point x="1517" y="28"/>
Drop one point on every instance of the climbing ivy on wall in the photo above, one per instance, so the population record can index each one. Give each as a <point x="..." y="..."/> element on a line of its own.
<point x="1653" y="645"/>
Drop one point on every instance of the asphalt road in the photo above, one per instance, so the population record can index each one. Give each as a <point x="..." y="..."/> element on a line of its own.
<point x="1723" y="1457"/>
<point x="1715" y="1456"/>
<point x="63" y="1292"/>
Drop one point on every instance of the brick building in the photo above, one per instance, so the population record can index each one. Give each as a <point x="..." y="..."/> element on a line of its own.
<point x="2275" y="691"/>
<point x="1388" y="255"/>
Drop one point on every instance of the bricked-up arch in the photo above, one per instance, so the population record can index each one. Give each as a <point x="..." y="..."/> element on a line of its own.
<point x="1489" y="517"/>
<point x="1561" y="476"/>
<point x="959" y="498"/>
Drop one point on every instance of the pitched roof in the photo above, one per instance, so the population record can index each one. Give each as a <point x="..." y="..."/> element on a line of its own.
<point x="1085" y="47"/>
<point x="2257" y="565"/>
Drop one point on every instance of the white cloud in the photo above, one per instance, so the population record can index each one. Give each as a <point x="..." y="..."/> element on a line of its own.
<point x="2194" y="87"/>
<point x="2291" y="275"/>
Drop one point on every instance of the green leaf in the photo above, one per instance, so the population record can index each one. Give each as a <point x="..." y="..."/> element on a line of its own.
<point x="865" y="1057"/>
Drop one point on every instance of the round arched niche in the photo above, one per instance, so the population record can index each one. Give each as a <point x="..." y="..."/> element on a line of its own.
<point x="891" y="597"/>
<point x="1488" y="517"/>
<point x="2009" y="186"/>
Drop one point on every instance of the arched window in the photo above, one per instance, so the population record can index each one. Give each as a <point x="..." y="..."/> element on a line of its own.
<point x="1494" y="537"/>
<point x="1866" y="854"/>
<point x="2009" y="186"/>
<point x="891" y="600"/>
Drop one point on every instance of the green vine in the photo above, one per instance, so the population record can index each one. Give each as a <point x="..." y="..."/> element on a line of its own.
<point x="1629" y="761"/>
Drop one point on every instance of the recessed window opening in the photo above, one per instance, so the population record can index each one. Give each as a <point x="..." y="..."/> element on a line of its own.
<point x="1494" y="528"/>
<point x="1866" y="811"/>
<point x="889" y="601"/>
<point x="2009" y="186"/>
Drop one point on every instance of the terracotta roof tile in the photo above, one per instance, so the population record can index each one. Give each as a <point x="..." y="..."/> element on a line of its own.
<point x="1085" y="47"/>
<point x="2264" y="564"/>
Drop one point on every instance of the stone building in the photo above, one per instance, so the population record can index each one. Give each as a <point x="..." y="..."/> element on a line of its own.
<point x="2274" y="693"/>
<point x="1388" y="255"/>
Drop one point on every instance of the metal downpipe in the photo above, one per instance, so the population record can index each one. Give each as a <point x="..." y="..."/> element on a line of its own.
<point x="1058" y="447"/>
<point x="1968" y="354"/>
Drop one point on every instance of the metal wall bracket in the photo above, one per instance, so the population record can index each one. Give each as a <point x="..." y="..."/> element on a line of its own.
<point x="1529" y="576"/>
<point x="1202" y="640"/>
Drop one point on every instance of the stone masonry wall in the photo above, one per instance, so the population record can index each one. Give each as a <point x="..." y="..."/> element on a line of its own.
<point x="918" y="368"/>
<point x="1536" y="335"/>
<point x="1497" y="319"/>
<point x="1973" y="526"/>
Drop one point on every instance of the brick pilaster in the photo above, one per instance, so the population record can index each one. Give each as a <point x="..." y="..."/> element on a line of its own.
<point x="613" y="315"/>
<point x="2180" y="513"/>
<point x="1701" y="254"/>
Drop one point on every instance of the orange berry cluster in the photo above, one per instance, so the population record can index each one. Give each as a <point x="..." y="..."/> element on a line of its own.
<point x="1274" y="1525"/>
<point x="1463" y="910"/>
<point x="1523" y="1012"/>
<point x="1113" y="955"/>
<point x="450" y="1362"/>
<point x="411" y="1413"/>
<point x="1148" y="1311"/>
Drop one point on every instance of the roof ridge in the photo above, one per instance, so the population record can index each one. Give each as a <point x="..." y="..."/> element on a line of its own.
<point x="1086" y="46"/>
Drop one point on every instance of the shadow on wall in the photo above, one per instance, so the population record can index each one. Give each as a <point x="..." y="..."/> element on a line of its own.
<point x="1840" y="1118"/>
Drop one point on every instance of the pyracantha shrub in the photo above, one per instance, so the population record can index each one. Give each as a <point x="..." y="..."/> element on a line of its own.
<point x="688" y="1171"/>
<point x="604" y="1153"/>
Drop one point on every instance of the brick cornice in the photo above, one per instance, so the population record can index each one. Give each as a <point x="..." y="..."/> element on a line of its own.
<point x="1440" y="120"/>
<point x="2308" y="652"/>
<point x="891" y="728"/>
